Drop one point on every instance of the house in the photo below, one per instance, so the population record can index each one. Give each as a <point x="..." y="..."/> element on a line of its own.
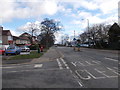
<point x="25" y="38"/>
<point x="7" y="37"/>
<point x="20" y="40"/>
<point x="29" y="39"/>
<point x="1" y="28"/>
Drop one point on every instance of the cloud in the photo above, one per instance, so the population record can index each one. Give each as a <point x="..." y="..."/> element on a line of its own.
<point x="13" y="9"/>
<point x="27" y="27"/>
<point x="58" y="37"/>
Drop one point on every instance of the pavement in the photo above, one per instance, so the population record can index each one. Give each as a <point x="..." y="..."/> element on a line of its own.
<point x="50" y="55"/>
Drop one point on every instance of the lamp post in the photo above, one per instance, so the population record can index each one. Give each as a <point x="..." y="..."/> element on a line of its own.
<point x="88" y="33"/>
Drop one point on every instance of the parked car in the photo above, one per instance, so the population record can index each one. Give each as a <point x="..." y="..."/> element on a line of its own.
<point x="25" y="49"/>
<point x="13" y="50"/>
<point x="2" y="50"/>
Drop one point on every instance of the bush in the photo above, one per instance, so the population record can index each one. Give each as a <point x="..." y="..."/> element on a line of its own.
<point x="33" y="47"/>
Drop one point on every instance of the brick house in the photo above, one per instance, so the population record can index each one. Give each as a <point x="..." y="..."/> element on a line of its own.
<point x="7" y="37"/>
<point x="21" y="40"/>
<point x="1" y="28"/>
<point x="29" y="39"/>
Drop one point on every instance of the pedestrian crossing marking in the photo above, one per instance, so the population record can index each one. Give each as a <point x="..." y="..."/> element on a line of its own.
<point x="38" y="65"/>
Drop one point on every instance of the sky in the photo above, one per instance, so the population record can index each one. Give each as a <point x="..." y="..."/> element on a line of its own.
<point x="16" y="15"/>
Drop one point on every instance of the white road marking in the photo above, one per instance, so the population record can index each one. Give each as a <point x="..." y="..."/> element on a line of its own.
<point x="111" y="59"/>
<point x="113" y="71"/>
<point x="74" y="63"/>
<point x="97" y="62"/>
<point x="105" y="74"/>
<point x="13" y="71"/>
<point x="89" y="63"/>
<point x="64" y="63"/>
<point x="31" y="70"/>
<point x="90" y="74"/>
<point x="80" y="84"/>
<point x="81" y="63"/>
<point x="38" y="65"/>
<point x="59" y="64"/>
<point x="82" y="77"/>
<point x="93" y="75"/>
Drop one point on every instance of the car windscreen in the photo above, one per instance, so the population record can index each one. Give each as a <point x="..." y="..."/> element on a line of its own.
<point x="11" y="47"/>
<point x="24" y="47"/>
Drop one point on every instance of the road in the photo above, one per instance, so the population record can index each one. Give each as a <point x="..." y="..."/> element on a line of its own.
<point x="88" y="68"/>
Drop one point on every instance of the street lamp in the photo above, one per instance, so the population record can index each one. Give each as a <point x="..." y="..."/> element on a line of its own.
<point x="88" y="32"/>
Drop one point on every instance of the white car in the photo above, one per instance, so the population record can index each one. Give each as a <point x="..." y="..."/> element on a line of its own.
<point x="25" y="49"/>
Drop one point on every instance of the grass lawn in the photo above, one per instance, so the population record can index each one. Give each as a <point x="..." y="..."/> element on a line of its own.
<point x="33" y="54"/>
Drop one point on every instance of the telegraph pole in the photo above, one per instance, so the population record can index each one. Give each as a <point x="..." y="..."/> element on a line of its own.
<point x="88" y="33"/>
<point x="74" y="33"/>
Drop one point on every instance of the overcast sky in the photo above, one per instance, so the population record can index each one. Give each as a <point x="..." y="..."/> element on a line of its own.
<point x="73" y="14"/>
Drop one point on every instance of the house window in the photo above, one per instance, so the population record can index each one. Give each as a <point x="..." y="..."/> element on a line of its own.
<point x="10" y="38"/>
<point x="0" y="41"/>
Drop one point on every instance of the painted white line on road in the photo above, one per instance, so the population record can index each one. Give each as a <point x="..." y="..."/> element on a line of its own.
<point x="74" y="63"/>
<point x="94" y="76"/>
<point x="89" y="63"/>
<point x="64" y="63"/>
<point x="38" y="65"/>
<point x="80" y="84"/>
<point x="59" y="64"/>
<point x="81" y="63"/>
<point x="113" y="71"/>
<point x="90" y="74"/>
<point x="102" y="72"/>
<point x="13" y="71"/>
<point x="33" y="70"/>
<point x="111" y="59"/>
<point x="97" y="62"/>
<point x="77" y="79"/>
<point x="82" y="77"/>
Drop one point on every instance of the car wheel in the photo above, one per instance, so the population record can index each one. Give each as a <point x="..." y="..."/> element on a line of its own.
<point x="19" y="53"/>
<point x="16" y="53"/>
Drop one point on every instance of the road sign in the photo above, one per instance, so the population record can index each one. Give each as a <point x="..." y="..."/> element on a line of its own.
<point x="74" y="39"/>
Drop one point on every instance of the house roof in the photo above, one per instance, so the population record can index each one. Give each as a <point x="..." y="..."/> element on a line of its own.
<point x="24" y="38"/>
<point x="15" y="37"/>
<point x="25" y="34"/>
<point x="6" y="32"/>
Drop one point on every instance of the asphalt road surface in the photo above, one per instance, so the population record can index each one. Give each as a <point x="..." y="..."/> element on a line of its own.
<point x="88" y="68"/>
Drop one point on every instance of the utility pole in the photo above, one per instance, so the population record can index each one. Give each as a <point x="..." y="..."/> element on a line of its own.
<point x="88" y="33"/>
<point x="74" y="33"/>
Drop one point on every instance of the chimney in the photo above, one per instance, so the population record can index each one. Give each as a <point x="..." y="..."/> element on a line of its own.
<point x="1" y="28"/>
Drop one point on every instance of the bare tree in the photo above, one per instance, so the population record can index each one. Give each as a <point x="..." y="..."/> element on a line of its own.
<point x="48" y="28"/>
<point x="98" y="35"/>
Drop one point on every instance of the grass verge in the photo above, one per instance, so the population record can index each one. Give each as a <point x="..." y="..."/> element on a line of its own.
<point x="32" y="55"/>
